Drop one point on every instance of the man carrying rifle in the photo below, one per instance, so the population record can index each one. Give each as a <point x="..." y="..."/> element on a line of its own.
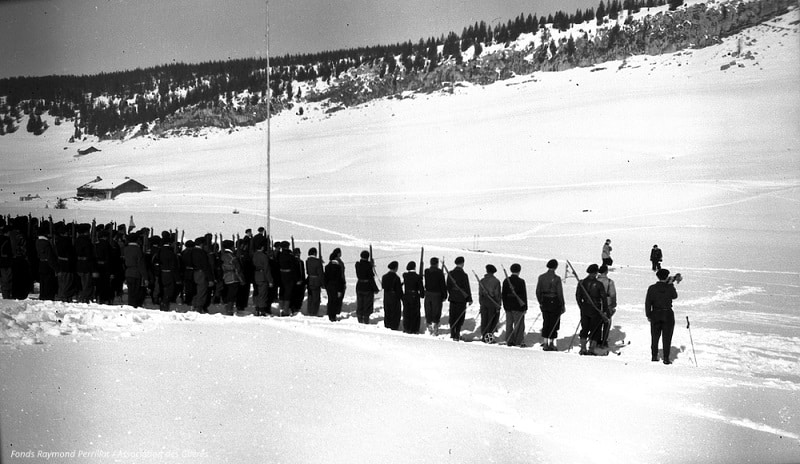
<point x="435" y="294"/>
<point x="459" y="296"/>
<point x="593" y="303"/>
<point x="366" y="288"/>
<point x="316" y="281"/>
<point x="550" y="295"/>
<point x="515" y="300"/>
<point x="489" y="297"/>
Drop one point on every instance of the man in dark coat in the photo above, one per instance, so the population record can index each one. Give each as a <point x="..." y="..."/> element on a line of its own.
<point x="262" y="279"/>
<point x="413" y="292"/>
<point x="85" y="266"/>
<point x="593" y="303"/>
<point x="106" y="261"/>
<point x="232" y="275"/>
<point x="489" y="299"/>
<point x="435" y="294"/>
<point x="550" y="295"/>
<point x="189" y="287"/>
<point x="656" y="256"/>
<point x="366" y="288"/>
<point x="299" y="286"/>
<point x="316" y="281"/>
<point x="6" y="262"/>
<point x="135" y="271"/>
<point x="169" y="268"/>
<point x="392" y="295"/>
<point x="289" y="277"/>
<point x="203" y="275"/>
<point x="335" y="284"/>
<point x="48" y="264"/>
<point x="658" y="309"/>
<point x="515" y="301"/>
<point x="459" y="296"/>
<point x="65" y="270"/>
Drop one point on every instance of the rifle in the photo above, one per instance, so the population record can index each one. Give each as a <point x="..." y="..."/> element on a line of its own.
<point x="372" y="261"/>
<point x="455" y="284"/>
<point x="421" y="259"/>
<point x="586" y="292"/>
<point x="514" y="290"/>
<point x="321" y="261"/>
<point x="94" y="231"/>
<point x="292" y="244"/>
<point x="486" y="292"/>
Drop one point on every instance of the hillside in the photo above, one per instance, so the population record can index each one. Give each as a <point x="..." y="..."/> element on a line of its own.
<point x="181" y="99"/>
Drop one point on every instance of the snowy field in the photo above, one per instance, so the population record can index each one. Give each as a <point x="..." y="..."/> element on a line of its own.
<point x="669" y="150"/>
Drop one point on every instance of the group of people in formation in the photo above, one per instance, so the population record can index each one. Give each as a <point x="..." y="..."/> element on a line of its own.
<point x="93" y="263"/>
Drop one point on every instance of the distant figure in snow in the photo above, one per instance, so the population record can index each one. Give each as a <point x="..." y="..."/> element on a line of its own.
<point x="658" y="309"/>
<point x="611" y="297"/>
<point x="606" y="255"/>
<point x="550" y="295"/>
<point x="656" y="257"/>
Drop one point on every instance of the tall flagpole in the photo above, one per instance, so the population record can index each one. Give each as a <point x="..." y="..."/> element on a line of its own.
<point x="269" y="117"/>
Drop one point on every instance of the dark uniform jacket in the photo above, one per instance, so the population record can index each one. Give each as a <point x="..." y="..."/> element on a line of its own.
<point x="549" y="292"/>
<point x="366" y="277"/>
<point x="66" y="254"/>
<point x="262" y="271"/>
<point x="390" y="283"/>
<point x="133" y="257"/>
<point x="593" y="297"/>
<point x="334" y="277"/>
<point x="516" y="299"/>
<point x="46" y="253"/>
<point x="658" y="302"/>
<point x="489" y="292"/>
<point x="84" y="250"/>
<point x="315" y="272"/>
<point x="434" y="281"/>
<point x="412" y="285"/>
<point x="458" y="286"/>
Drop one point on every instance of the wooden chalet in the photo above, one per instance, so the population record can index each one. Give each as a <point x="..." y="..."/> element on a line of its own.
<point x="108" y="189"/>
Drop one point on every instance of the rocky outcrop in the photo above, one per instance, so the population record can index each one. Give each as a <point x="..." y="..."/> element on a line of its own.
<point x="695" y="26"/>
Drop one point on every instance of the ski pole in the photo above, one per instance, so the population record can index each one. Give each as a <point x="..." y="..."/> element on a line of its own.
<point x="573" y="336"/>
<point x="688" y="326"/>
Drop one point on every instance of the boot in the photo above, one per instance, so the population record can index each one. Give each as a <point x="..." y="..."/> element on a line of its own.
<point x="435" y="329"/>
<point x="583" y="347"/>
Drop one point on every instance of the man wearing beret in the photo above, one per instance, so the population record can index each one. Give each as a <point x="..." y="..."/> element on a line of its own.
<point x="489" y="299"/>
<point x="591" y="297"/>
<point x="392" y="295"/>
<point x="413" y="291"/>
<point x="658" y="309"/>
<point x="515" y="300"/>
<point x="459" y="296"/>
<point x="550" y="295"/>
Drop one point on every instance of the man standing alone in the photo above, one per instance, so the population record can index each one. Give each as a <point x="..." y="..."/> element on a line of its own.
<point x="658" y="309"/>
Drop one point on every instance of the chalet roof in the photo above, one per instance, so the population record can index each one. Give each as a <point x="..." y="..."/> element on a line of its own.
<point x="107" y="184"/>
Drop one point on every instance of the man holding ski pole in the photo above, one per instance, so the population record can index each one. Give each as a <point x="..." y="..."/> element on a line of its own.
<point x="592" y="300"/>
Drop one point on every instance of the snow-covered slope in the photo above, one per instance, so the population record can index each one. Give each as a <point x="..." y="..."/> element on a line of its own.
<point x="672" y="150"/>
